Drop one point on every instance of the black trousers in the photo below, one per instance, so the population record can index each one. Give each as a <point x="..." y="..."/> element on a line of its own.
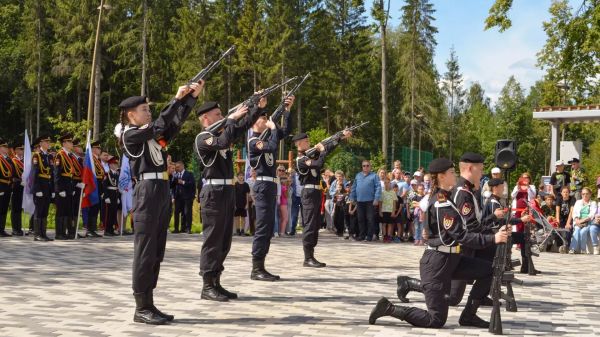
<point x="64" y="211"/>
<point x="183" y="212"/>
<point x="42" y="204"/>
<point x="92" y="218"/>
<point x="339" y="218"/>
<point x="5" y="193"/>
<point x="109" y="215"/>
<point x="437" y="271"/>
<point x="311" y="217"/>
<point x="365" y="211"/>
<point x="217" y="205"/>
<point x="265" y="194"/>
<point x="16" y="207"/>
<point x="151" y="200"/>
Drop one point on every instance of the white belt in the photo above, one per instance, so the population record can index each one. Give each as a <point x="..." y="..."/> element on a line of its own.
<point x="316" y="187"/>
<point x="154" y="175"/>
<point x="111" y="188"/>
<point x="218" y="182"/>
<point x="446" y="249"/>
<point x="265" y="178"/>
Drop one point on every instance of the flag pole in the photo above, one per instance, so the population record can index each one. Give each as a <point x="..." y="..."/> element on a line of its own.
<point x="81" y="195"/>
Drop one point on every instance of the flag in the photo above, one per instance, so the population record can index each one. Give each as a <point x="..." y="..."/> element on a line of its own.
<point x="88" y="177"/>
<point x="125" y="186"/>
<point x="27" y="178"/>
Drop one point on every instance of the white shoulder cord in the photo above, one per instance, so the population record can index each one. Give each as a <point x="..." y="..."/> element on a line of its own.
<point x="298" y="167"/>
<point x="212" y="161"/>
<point x="477" y="210"/>
<point x="127" y="128"/>
<point x="258" y="160"/>
<point x="438" y="205"/>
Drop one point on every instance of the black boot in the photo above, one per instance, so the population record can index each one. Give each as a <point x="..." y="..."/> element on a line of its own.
<point x="44" y="226"/>
<point x="228" y="294"/>
<point x="405" y="285"/>
<point x="71" y="229"/>
<point x="386" y="308"/>
<point x="524" y="265"/>
<point x="259" y="273"/>
<point x="144" y="313"/>
<point x="59" y="229"/>
<point x="150" y="300"/>
<point x="469" y="315"/>
<point x="487" y="302"/>
<point x="209" y="289"/>
<point x="3" y="233"/>
<point x="309" y="259"/>
<point x="37" y="230"/>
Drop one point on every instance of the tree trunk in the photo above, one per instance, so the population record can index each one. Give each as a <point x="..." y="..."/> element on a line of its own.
<point x="39" y="76"/>
<point x="97" y="92"/>
<point x="144" y="44"/>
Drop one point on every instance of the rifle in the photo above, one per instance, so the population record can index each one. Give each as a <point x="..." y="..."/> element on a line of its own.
<point x="211" y="66"/>
<point x="215" y="127"/>
<point x="313" y="152"/>
<point x="276" y="115"/>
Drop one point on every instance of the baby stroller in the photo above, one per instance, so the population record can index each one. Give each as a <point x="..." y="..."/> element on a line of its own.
<point x="547" y="233"/>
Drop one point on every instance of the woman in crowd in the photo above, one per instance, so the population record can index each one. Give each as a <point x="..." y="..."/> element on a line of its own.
<point x="524" y="180"/>
<point x="283" y="202"/>
<point x="583" y="214"/>
<point x="564" y="211"/>
<point x="338" y="196"/>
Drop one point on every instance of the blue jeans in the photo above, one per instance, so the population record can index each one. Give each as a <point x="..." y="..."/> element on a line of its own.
<point x="276" y="227"/>
<point x="295" y="213"/>
<point x="366" y="219"/>
<point x="418" y="229"/>
<point x="594" y="230"/>
<point x="580" y="238"/>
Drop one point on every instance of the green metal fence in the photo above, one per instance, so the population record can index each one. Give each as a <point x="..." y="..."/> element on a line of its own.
<point x="419" y="158"/>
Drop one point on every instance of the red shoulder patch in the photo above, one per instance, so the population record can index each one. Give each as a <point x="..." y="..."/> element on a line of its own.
<point x="448" y="221"/>
<point x="466" y="209"/>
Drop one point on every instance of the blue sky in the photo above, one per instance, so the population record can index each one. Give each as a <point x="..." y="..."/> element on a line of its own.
<point x="487" y="57"/>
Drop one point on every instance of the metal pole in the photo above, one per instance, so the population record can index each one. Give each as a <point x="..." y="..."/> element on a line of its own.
<point x="93" y="73"/>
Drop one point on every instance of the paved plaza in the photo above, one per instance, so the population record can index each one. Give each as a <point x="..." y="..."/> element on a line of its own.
<point x="83" y="288"/>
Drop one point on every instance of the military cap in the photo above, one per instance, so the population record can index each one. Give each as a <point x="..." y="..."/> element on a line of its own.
<point x="299" y="136"/>
<point x="96" y="144"/>
<point x="65" y="137"/>
<point x="495" y="182"/>
<point x="3" y="142"/>
<point x="132" y="102"/>
<point x="43" y="138"/>
<point x="471" y="157"/>
<point x="440" y="165"/>
<point x="206" y="107"/>
<point x="113" y="160"/>
<point x="76" y="142"/>
<point x="17" y="145"/>
<point x="574" y="160"/>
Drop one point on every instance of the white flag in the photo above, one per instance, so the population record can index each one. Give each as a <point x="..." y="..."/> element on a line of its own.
<point x="27" y="178"/>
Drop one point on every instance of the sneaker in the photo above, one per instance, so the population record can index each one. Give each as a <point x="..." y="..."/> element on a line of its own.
<point x="597" y="250"/>
<point x="571" y="251"/>
<point x="396" y="239"/>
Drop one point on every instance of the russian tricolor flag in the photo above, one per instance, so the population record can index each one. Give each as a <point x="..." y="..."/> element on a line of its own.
<point x="88" y="177"/>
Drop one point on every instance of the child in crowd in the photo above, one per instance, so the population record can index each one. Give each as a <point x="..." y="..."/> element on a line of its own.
<point x="242" y="196"/>
<point x="386" y="211"/>
<point x="401" y="217"/>
<point x="283" y="202"/>
<point x="339" y="206"/>
<point x="417" y="214"/>
<point x="350" y="214"/>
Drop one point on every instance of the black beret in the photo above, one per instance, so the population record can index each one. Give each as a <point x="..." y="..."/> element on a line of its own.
<point x="66" y="137"/>
<point x="40" y="139"/>
<point x="495" y="182"/>
<point x="132" y="102"/>
<point x="3" y="142"/>
<point x="299" y="136"/>
<point x="96" y="144"/>
<point x="206" y="107"/>
<point x="470" y="157"/>
<point x="440" y="165"/>
<point x="574" y="160"/>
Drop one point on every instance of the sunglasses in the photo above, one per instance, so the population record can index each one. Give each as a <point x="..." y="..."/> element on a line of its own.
<point x="366" y="165"/>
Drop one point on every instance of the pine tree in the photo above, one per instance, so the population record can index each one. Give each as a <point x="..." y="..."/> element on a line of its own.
<point x="455" y="94"/>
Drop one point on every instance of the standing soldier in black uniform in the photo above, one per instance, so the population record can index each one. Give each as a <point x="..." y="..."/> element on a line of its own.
<point x="262" y="155"/>
<point x="41" y="171"/>
<point x="63" y="188"/>
<point x="16" y="202"/>
<point x="7" y="172"/>
<point x="144" y="142"/>
<point x="77" y="157"/>
<point x="217" y="196"/>
<point x="93" y="211"/>
<point x="441" y="262"/>
<point x="309" y="170"/>
<point x="111" y="197"/>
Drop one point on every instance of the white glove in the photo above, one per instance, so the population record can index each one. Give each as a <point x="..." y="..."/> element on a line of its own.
<point x="1" y="193"/>
<point x="22" y="183"/>
<point x="487" y="194"/>
<point x="53" y="194"/>
<point x="80" y="185"/>
<point x="74" y="192"/>
<point x="62" y="194"/>
<point x="39" y="194"/>
<point x="107" y="201"/>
